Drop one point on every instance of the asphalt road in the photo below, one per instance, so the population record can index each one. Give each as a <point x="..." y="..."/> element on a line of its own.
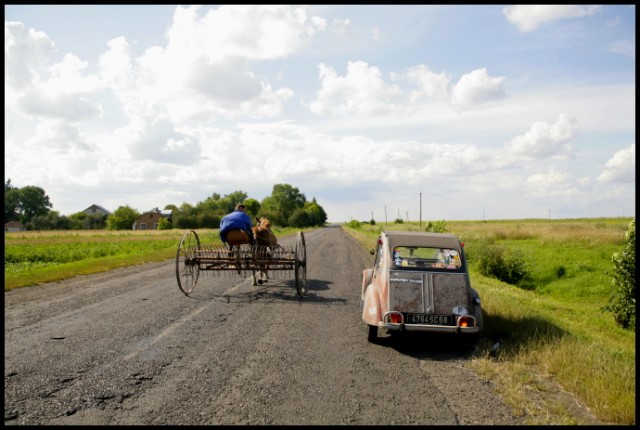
<point x="127" y="347"/>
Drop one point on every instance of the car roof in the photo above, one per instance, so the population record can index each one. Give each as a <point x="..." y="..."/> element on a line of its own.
<point x="418" y="238"/>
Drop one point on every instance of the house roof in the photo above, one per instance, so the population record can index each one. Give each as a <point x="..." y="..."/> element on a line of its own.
<point x="99" y="207"/>
<point x="14" y="224"/>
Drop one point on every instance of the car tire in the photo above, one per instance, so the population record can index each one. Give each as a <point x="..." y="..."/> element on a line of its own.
<point x="372" y="333"/>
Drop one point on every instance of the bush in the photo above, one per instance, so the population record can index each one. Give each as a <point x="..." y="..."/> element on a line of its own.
<point x="354" y="224"/>
<point x="164" y="224"/>
<point x="436" y="227"/>
<point x="622" y="302"/>
<point x="501" y="263"/>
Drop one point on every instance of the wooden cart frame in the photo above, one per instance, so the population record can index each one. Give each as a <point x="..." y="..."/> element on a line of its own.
<point x="192" y="257"/>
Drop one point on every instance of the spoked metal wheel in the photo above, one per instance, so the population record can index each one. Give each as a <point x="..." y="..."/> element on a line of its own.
<point x="301" y="265"/>
<point x="187" y="269"/>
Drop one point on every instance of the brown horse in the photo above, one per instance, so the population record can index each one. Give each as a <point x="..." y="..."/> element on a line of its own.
<point x="265" y="241"/>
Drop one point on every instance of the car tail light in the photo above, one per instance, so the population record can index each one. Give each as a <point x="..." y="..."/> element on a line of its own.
<point x="394" y="317"/>
<point x="466" y="321"/>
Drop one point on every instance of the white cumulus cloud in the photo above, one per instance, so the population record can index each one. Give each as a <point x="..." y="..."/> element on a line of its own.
<point x="529" y="17"/>
<point x="621" y="167"/>
<point x="477" y="88"/>
<point x="545" y="140"/>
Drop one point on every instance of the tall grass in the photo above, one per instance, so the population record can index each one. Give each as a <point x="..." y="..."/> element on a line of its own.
<point x="557" y="347"/>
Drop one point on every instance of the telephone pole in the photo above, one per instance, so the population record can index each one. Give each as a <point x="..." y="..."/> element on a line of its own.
<point x="420" y="211"/>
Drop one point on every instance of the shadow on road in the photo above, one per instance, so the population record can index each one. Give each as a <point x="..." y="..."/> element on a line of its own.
<point x="278" y="291"/>
<point x="432" y="346"/>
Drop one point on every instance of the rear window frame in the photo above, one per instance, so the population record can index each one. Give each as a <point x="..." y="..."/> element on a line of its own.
<point x="429" y="258"/>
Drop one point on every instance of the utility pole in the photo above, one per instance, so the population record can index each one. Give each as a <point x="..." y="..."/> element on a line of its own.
<point x="385" y="214"/>
<point x="420" y="210"/>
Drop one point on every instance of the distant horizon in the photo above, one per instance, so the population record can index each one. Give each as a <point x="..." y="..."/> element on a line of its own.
<point x="496" y="219"/>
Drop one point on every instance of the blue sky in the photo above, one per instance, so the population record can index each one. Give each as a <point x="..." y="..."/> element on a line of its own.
<point x="476" y="112"/>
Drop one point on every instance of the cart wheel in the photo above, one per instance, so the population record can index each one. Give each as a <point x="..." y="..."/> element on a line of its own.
<point x="187" y="268"/>
<point x="301" y="265"/>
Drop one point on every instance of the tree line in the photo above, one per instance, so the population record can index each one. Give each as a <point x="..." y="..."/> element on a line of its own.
<point x="285" y="207"/>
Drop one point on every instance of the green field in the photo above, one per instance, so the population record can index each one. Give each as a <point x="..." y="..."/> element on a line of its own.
<point x="556" y="344"/>
<point x="36" y="257"/>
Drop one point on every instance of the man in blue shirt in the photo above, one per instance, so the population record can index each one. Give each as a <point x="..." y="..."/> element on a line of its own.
<point x="235" y="228"/>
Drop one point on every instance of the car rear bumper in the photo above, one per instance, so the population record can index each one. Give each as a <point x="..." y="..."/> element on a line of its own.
<point x="429" y="328"/>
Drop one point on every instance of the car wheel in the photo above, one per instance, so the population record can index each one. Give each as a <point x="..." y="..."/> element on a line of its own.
<point x="372" y="333"/>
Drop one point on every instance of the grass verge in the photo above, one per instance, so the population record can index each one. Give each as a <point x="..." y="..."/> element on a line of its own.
<point x="561" y="360"/>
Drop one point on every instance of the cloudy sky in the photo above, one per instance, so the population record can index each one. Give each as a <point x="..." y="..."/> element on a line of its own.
<point x="414" y="111"/>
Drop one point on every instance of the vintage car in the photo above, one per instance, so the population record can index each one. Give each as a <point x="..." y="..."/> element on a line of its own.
<point x="419" y="282"/>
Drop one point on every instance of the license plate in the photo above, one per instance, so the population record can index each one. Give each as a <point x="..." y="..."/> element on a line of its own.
<point x="430" y="319"/>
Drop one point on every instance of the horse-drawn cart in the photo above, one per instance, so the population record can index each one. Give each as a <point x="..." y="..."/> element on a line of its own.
<point x="192" y="257"/>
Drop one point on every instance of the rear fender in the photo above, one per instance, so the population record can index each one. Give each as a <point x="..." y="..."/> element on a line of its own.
<point x="367" y="276"/>
<point x="371" y="309"/>
<point x="477" y="308"/>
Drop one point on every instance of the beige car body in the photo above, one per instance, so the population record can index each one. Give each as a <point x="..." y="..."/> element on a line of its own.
<point x="404" y="291"/>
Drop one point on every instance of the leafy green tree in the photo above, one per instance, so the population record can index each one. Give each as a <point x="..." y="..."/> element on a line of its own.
<point x="317" y="215"/>
<point x="59" y="222"/>
<point x="299" y="219"/>
<point x="274" y="215"/>
<point x="213" y="203"/>
<point x="622" y="302"/>
<point x="33" y="201"/>
<point x="235" y="198"/>
<point x="185" y="217"/>
<point x="39" y="222"/>
<point x="22" y="204"/>
<point x="283" y="201"/>
<point x="51" y="221"/>
<point x="122" y="218"/>
<point x="208" y="220"/>
<point x="253" y="207"/>
<point x="11" y="202"/>
<point x="76" y="220"/>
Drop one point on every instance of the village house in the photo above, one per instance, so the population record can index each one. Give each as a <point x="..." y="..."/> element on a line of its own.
<point x="150" y="220"/>
<point x="14" y="226"/>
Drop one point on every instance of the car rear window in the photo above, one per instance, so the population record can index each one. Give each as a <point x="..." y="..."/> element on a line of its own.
<point x="426" y="258"/>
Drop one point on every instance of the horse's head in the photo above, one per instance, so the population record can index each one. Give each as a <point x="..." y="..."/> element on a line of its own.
<point x="264" y="223"/>
<point x="262" y="232"/>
